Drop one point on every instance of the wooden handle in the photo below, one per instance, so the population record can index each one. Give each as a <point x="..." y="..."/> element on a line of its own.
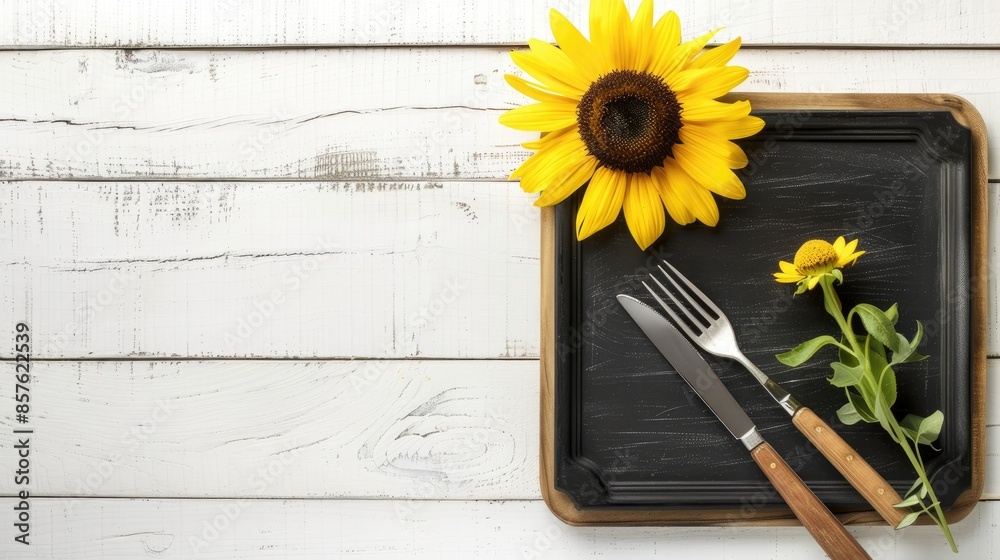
<point x="815" y="517"/>
<point x="855" y="469"/>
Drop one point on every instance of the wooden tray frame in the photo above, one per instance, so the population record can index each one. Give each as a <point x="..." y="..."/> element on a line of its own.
<point x="562" y="506"/>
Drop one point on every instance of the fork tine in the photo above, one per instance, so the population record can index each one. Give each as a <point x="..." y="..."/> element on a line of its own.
<point x="697" y="307"/>
<point x="677" y="320"/>
<point x="699" y="325"/>
<point x="705" y="299"/>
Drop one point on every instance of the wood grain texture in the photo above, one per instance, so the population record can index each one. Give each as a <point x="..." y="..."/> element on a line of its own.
<point x="104" y="23"/>
<point x="368" y="429"/>
<point x="446" y="429"/>
<point x="367" y="269"/>
<point x="417" y="114"/>
<point x="831" y="536"/>
<point x="879" y="493"/>
<point x="431" y="530"/>
<point x="562" y="506"/>
<point x="136" y="245"/>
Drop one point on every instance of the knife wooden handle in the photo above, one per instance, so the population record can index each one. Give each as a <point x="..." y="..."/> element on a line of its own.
<point x="832" y="537"/>
<point x="855" y="469"/>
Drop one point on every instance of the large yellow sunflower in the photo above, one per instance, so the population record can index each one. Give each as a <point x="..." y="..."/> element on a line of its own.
<point x="633" y="111"/>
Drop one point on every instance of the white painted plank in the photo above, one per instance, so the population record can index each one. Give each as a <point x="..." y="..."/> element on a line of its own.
<point x="306" y="429"/>
<point x="375" y="269"/>
<point x="992" y="486"/>
<point x="223" y="529"/>
<point x="280" y="270"/>
<point x="109" y="23"/>
<point x="354" y="113"/>
<point x="359" y="429"/>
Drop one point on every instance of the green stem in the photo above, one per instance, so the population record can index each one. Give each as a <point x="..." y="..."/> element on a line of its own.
<point x="834" y="308"/>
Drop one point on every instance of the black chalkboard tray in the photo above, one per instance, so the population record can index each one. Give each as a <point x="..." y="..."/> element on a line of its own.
<point x="625" y="441"/>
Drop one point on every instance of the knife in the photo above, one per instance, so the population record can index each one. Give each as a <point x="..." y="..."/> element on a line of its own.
<point x="831" y="535"/>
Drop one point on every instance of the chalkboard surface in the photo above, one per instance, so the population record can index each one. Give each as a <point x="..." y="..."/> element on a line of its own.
<point x="628" y="433"/>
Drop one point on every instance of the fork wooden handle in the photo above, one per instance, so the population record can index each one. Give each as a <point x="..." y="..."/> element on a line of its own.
<point x="855" y="469"/>
<point x="831" y="535"/>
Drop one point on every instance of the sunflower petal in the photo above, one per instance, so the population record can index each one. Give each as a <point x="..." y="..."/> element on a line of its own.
<point x="697" y="199"/>
<point x="705" y="141"/>
<point x="665" y="38"/>
<point x="642" y="31"/>
<point x="552" y="78"/>
<point x="740" y="128"/>
<point x="558" y="63"/>
<point x="850" y="247"/>
<point x="787" y="267"/>
<point x="719" y="56"/>
<point x="600" y="25"/>
<point x="549" y="138"/>
<point x="708" y="110"/>
<point x="621" y="35"/>
<point x="549" y="171"/>
<point x="568" y="182"/>
<point x="602" y="202"/>
<point x="535" y="91"/>
<point x="564" y="146"/>
<point x="709" y="83"/>
<point x="540" y="117"/>
<point x="788" y="278"/>
<point x="710" y="172"/>
<point x="838" y="245"/>
<point x="672" y="197"/>
<point x="850" y="258"/>
<point x="813" y="280"/>
<point x="643" y="210"/>
<point x="576" y="46"/>
<point x="694" y="46"/>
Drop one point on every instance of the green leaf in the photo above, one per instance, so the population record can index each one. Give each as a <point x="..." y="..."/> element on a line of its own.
<point x="803" y="286"/>
<point x="917" y="484"/>
<point x="878" y="325"/>
<point x="845" y="376"/>
<point x="848" y="415"/>
<point x="887" y="386"/>
<point x="892" y="313"/>
<point x="845" y="355"/>
<point x="877" y="364"/>
<point x="876" y="346"/>
<point x="908" y="502"/>
<point x="839" y="275"/>
<point x="926" y="430"/>
<point x="861" y="407"/>
<point x="908" y="520"/>
<point x="913" y="356"/>
<point x="881" y="409"/>
<point x="916" y="338"/>
<point x="801" y="353"/>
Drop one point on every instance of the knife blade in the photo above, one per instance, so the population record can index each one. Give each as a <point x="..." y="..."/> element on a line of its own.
<point x="829" y="533"/>
<point x="692" y="367"/>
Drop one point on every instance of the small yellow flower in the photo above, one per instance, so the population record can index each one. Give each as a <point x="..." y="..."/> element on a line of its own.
<point x="633" y="113"/>
<point x="816" y="259"/>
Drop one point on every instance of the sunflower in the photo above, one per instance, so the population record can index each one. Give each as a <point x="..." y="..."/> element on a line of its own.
<point x="817" y="259"/>
<point x="634" y="112"/>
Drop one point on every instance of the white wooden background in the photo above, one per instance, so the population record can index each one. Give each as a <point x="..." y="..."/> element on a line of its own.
<point x="285" y="303"/>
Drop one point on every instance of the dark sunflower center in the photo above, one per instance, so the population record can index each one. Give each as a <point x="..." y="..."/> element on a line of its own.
<point x="629" y="120"/>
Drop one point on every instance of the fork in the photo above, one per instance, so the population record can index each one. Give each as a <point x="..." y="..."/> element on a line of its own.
<point x="710" y="329"/>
